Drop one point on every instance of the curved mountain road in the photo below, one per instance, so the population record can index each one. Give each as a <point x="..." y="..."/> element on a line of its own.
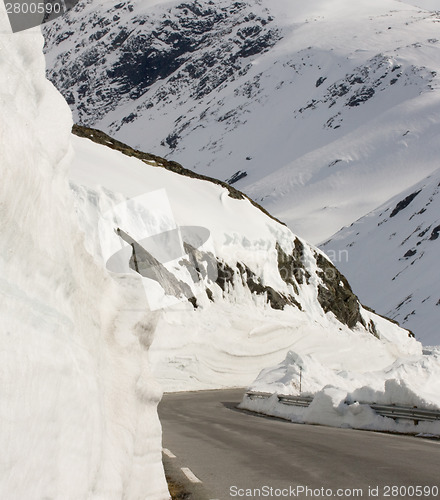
<point x="233" y="453"/>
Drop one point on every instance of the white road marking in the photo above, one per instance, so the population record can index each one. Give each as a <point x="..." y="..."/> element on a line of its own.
<point x="190" y="475"/>
<point x="168" y="453"/>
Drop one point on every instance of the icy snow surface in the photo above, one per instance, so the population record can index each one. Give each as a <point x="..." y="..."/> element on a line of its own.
<point x="424" y="4"/>
<point x="77" y="401"/>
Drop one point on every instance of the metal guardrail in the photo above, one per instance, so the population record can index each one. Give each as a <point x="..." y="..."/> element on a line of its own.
<point x="390" y="411"/>
<point x="295" y="400"/>
<point x="286" y="400"/>
<point x="415" y="414"/>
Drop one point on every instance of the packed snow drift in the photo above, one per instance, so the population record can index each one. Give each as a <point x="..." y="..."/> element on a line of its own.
<point x="78" y="403"/>
<point x="342" y="392"/>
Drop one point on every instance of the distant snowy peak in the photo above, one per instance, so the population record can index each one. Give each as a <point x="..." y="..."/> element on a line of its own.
<point x="132" y="58"/>
<point x="123" y="50"/>
<point x="300" y="106"/>
<point x="398" y="244"/>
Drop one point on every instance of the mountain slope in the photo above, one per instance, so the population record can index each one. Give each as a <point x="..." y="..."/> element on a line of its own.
<point x="319" y="113"/>
<point x="235" y="290"/>
<point x="397" y="244"/>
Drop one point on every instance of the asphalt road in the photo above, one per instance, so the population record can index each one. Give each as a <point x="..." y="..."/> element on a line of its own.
<point x="234" y="453"/>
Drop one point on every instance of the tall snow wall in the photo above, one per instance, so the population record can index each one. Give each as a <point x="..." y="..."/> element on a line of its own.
<point x="78" y="415"/>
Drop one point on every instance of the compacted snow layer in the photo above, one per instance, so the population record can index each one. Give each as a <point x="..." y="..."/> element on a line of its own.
<point x="78" y="413"/>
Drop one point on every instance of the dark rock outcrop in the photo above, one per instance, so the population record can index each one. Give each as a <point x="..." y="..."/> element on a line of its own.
<point x="335" y="294"/>
<point x="403" y="203"/>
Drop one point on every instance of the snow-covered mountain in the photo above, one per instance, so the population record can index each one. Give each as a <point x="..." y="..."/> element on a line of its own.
<point x="398" y="244"/>
<point x="258" y="294"/>
<point x="236" y="289"/>
<point x="78" y="403"/>
<point x="251" y="294"/>
<point x="129" y="266"/>
<point x="318" y="111"/>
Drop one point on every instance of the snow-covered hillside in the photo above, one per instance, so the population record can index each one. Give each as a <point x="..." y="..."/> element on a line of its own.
<point x="250" y="295"/>
<point x="240" y="297"/>
<point x="318" y="111"/>
<point x="398" y="244"/>
<point x="77" y="402"/>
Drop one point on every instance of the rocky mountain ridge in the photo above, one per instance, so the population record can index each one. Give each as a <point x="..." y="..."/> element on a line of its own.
<point x="295" y="269"/>
<point x="310" y="111"/>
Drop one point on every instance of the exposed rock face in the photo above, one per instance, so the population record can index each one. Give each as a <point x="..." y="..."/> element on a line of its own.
<point x="376" y="75"/>
<point x="335" y="294"/>
<point x="227" y="276"/>
<point x="199" y="44"/>
<point x="403" y="203"/>
<point x="291" y="267"/>
<point x="276" y="299"/>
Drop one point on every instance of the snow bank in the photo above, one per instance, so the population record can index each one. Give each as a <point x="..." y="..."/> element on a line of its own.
<point x="341" y="397"/>
<point x="78" y="404"/>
